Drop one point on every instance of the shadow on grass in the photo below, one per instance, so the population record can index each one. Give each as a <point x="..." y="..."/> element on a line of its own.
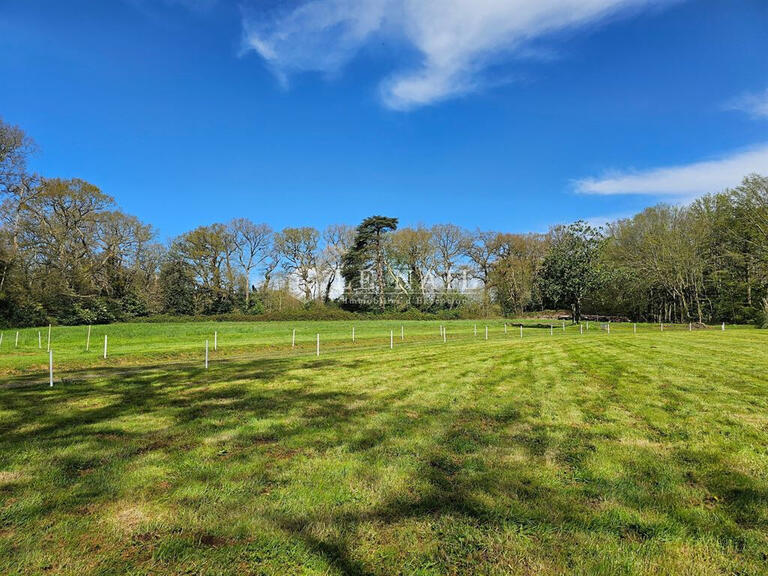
<point x="463" y="472"/>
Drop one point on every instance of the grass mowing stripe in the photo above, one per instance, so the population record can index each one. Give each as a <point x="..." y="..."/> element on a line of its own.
<point x="555" y="454"/>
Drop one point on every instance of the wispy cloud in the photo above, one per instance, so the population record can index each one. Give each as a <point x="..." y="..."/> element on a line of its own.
<point x="685" y="181"/>
<point x="454" y="40"/>
<point x="755" y="104"/>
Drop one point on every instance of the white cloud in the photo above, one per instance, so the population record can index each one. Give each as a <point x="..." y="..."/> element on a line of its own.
<point x="455" y="40"/>
<point x="684" y="182"/>
<point x="754" y="104"/>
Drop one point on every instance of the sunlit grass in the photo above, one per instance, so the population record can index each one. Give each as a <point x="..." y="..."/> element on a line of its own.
<point x="568" y="453"/>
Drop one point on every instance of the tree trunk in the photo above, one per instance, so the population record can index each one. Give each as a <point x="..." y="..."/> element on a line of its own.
<point x="380" y="269"/>
<point x="328" y="285"/>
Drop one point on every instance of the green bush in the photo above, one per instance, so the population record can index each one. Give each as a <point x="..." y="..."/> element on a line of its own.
<point x="16" y="314"/>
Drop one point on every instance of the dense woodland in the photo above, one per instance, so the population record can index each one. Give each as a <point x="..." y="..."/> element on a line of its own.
<point x="68" y="255"/>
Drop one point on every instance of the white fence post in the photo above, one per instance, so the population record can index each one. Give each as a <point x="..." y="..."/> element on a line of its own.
<point x="17" y="339"/>
<point x="391" y="339"/>
<point x="318" y="345"/>
<point x="49" y="337"/>
<point x="88" y="339"/>
<point x="293" y="338"/>
<point x="521" y="330"/>
<point x="1" y="338"/>
<point x="723" y="328"/>
<point x="215" y="340"/>
<point x="551" y="330"/>
<point x="690" y="326"/>
<point x="445" y="336"/>
<point x="581" y="328"/>
<point x="39" y="340"/>
<point x="475" y="329"/>
<point x="486" y="332"/>
<point x="50" y="367"/>
<point x="402" y="332"/>
<point x="105" y="346"/>
<point x="206" y="354"/>
<point x="353" y="334"/>
<point x="634" y="328"/>
<point x="609" y="327"/>
<point x="505" y="328"/>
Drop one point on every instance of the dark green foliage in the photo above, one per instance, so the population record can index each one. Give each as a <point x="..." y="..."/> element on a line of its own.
<point x="366" y="258"/>
<point x="571" y="269"/>
<point x="177" y="286"/>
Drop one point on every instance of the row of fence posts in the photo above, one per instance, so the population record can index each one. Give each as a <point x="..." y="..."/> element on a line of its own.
<point x="443" y="333"/>
<point x="293" y="337"/>
<point x="48" y="347"/>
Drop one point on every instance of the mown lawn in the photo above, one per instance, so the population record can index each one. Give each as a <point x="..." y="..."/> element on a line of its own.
<point x="551" y="454"/>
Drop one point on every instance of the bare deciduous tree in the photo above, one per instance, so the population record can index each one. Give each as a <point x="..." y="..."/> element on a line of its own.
<point x="252" y="243"/>
<point x="337" y="238"/>
<point x="449" y="241"/>
<point x="298" y="248"/>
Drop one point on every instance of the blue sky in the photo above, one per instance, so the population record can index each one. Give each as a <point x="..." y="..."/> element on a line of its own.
<point x="499" y="114"/>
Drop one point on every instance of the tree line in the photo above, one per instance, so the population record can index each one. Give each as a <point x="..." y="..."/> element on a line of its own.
<point x="69" y="255"/>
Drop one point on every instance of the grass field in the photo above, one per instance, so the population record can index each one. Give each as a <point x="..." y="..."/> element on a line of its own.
<point x="567" y="453"/>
